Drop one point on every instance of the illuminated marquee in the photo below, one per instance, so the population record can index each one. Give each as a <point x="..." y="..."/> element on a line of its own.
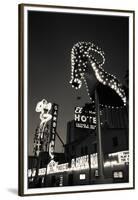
<point x="82" y="163"/>
<point x="79" y="163"/>
<point x="84" y="120"/>
<point x="121" y="157"/>
<point x="63" y="167"/>
<point x="54" y="167"/>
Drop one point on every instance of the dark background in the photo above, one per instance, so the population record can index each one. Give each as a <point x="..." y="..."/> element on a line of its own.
<point x="51" y="38"/>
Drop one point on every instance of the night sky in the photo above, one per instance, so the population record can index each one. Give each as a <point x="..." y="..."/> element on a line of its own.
<point x="51" y="37"/>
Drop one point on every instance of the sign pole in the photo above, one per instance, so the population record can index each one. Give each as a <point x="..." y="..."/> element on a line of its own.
<point x="99" y="138"/>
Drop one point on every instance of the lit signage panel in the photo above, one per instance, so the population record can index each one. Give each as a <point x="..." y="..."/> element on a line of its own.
<point x="118" y="174"/>
<point x="63" y="167"/>
<point x="94" y="160"/>
<point x="82" y="176"/>
<point x="42" y="171"/>
<point x="121" y="157"/>
<point x="31" y="172"/>
<point x="85" y="119"/>
<point x="82" y="162"/>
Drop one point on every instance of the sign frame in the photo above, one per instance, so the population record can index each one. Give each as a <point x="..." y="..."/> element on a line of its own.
<point x="23" y="104"/>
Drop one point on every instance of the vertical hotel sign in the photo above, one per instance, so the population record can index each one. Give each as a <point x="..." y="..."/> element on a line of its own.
<point x="53" y="129"/>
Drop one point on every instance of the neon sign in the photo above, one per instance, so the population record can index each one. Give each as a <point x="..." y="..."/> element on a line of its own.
<point x="44" y="108"/>
<point x="53" y="130"/>
<point x="121" y="157"/>
<point x="84" y="120"/>
<point x="82" y="163"/>
<point x="41" y="136"/>
<point x="94" y="160"/>
<point x="84" y="54"/>
<point x="42" y="171"/>
<point x="51" y="149"/>
<point x="52" y="167"/>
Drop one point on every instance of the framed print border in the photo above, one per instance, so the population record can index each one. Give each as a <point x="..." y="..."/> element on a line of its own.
<point x="23" y="100"/>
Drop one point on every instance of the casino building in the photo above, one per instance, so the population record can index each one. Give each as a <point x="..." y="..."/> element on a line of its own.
<point x="114" y="127"/>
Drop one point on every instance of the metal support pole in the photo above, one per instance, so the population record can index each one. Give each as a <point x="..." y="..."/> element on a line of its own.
<point x="99" y="138"/>
<point x="90" y="177"/>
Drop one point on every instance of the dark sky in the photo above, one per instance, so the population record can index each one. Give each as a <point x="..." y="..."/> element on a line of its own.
<point x="51" y="38"/>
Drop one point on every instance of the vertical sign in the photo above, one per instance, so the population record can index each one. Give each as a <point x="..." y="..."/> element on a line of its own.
<point x="42" y="132"/>
<point x="53" y="130"/>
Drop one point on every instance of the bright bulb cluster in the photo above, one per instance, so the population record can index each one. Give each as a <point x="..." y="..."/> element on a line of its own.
<point x="84" y="53"/>
<point x="109" y="80"/>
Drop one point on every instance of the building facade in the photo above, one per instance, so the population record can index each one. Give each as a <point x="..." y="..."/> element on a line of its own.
<point x="78" y="165"/>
